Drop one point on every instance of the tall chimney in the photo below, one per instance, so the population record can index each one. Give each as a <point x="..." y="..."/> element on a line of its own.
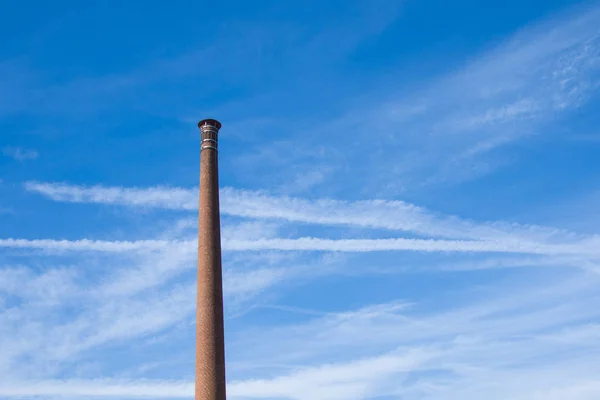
<point x="210" y="337"/>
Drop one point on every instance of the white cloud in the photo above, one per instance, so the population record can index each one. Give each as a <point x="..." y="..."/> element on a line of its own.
<point x="517" y="89"/>
<point x="531" y="342"/>
<point x="392" y="215"/>
<point x="528" y="341"/>
<point x="467" y="236"/>
<point x="113" y="293"/>
<point x="239" y="284"/>
<point x="172" y="198"/>
<point x="88" y="245"/>
<point x="345" y="381"/>
<point x="99" y="388"/>
<point x="519" y="338"/>
<point x="589" y="247"/>
<point x="19" y="153"/>
<point x="98" y="314"/>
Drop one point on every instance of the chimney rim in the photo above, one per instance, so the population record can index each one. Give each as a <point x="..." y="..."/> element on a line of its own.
<point x="211" y="122"/>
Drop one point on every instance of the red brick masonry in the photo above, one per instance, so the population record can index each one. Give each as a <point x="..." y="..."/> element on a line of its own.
<point x="210" y="338"/>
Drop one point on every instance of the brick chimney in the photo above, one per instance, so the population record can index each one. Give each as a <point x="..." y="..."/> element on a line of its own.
<point x="210" y="337"/>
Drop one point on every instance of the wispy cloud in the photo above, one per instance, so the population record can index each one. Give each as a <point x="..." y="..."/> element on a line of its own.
<point x="584" y="248"/>
<point x="170" y="198"/>
<point x="486" y="347"/>
<point x="100" y="388"/>
<point x="327" y="296"/>
<point x="392" y="215"/>
<point x="112" y="292"/>
<point x="119" y="308"/>
<point x="501" y="346"/>
<point x="455" y="127"/>
<point x="20" y="154"/>
<point x="94" y="93"/>
<point x="86" y="245"/>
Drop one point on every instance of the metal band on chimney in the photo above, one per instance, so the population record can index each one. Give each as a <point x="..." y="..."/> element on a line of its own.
<point x="210" y="130"/>
<point x="206" y="144"/>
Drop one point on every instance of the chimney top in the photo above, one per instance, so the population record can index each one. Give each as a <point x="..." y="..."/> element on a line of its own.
<point x="210" y="122"/>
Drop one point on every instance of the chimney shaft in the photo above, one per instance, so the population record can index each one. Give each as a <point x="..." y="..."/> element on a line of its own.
<point x="210" y="337"/>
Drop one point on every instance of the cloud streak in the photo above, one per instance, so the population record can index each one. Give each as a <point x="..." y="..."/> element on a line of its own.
<point x="527" y="330"/>
<point x="391" y="215"/>
<point x="458" y="126"/>
<point x="100" y="388"/>
<point x="586" y="248"/>
<point x="485" y="347"/>
<point x="19" y="153"/>
<point x="503" y="346"/>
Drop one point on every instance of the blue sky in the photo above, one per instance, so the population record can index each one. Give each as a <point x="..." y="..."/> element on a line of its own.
<point x="409" y="195"/>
